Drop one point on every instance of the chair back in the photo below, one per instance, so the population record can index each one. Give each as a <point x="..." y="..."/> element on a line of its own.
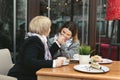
<point x="5" y="61"/>
<point x="4" y="77"/>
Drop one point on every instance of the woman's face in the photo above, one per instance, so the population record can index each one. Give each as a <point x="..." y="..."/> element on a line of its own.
<point x="66" y="33"/>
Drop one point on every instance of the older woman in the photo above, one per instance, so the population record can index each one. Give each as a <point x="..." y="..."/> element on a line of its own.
<point x="34" y="53"/>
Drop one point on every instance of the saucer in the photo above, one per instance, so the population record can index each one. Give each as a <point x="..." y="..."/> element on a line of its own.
<point x="66" y="63"/>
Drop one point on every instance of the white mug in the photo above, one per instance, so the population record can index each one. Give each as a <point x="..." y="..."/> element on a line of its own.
<point x="65" y="61"/>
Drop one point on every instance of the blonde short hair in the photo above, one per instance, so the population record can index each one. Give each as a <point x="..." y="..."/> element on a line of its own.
<point x="40" y="25"/>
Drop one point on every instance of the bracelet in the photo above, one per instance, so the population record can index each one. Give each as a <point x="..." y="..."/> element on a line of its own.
<point x="58" y="42"/>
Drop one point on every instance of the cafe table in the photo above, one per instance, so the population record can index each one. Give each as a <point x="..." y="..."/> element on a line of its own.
<point x="69" y="73"/>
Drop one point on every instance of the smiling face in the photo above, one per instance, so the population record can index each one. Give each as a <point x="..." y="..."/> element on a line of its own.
<point x="66" y="33"/>
<point x="69" y="30"/>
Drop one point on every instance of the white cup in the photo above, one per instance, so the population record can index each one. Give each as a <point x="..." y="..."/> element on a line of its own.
<point x="76" y="56"/>
<point x="65" y="61"/>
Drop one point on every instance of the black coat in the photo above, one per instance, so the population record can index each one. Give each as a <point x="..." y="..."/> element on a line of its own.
<point x="31" y="58"/>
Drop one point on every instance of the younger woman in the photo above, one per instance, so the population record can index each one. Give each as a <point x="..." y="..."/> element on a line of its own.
<point x="69" y="35"/>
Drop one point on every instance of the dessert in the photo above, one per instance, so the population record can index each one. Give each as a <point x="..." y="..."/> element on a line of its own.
<point x="96" y="58"/>
<point x="95" y="61"/>
<point x="95" y="65"/>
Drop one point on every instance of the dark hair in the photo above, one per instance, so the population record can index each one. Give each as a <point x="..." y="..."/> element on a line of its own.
<point x="72" y="27"/>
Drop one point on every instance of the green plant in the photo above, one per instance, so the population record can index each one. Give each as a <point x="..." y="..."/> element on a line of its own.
<point x="85" y="50"/>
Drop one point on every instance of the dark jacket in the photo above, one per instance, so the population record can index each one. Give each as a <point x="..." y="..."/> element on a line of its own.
<point x="31" y="58"/>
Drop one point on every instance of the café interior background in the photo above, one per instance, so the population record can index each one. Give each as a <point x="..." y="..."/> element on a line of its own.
<point x="89" y="15"/>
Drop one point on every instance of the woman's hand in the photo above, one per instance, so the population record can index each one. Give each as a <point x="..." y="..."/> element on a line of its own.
<point x="59" y="62"/>
<point x="61" y="40"/>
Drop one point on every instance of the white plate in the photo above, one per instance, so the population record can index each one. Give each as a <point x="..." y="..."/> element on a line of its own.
<point x="88" y="69"/>
<point x="74" y="59"/>
<point x="105" y="60"/>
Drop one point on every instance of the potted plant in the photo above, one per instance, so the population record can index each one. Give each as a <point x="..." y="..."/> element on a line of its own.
<point x="84" y="53"/>
<point x="85" y="50"/>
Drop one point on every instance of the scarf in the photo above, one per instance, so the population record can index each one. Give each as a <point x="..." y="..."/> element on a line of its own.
<point x="44" y="41"/>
